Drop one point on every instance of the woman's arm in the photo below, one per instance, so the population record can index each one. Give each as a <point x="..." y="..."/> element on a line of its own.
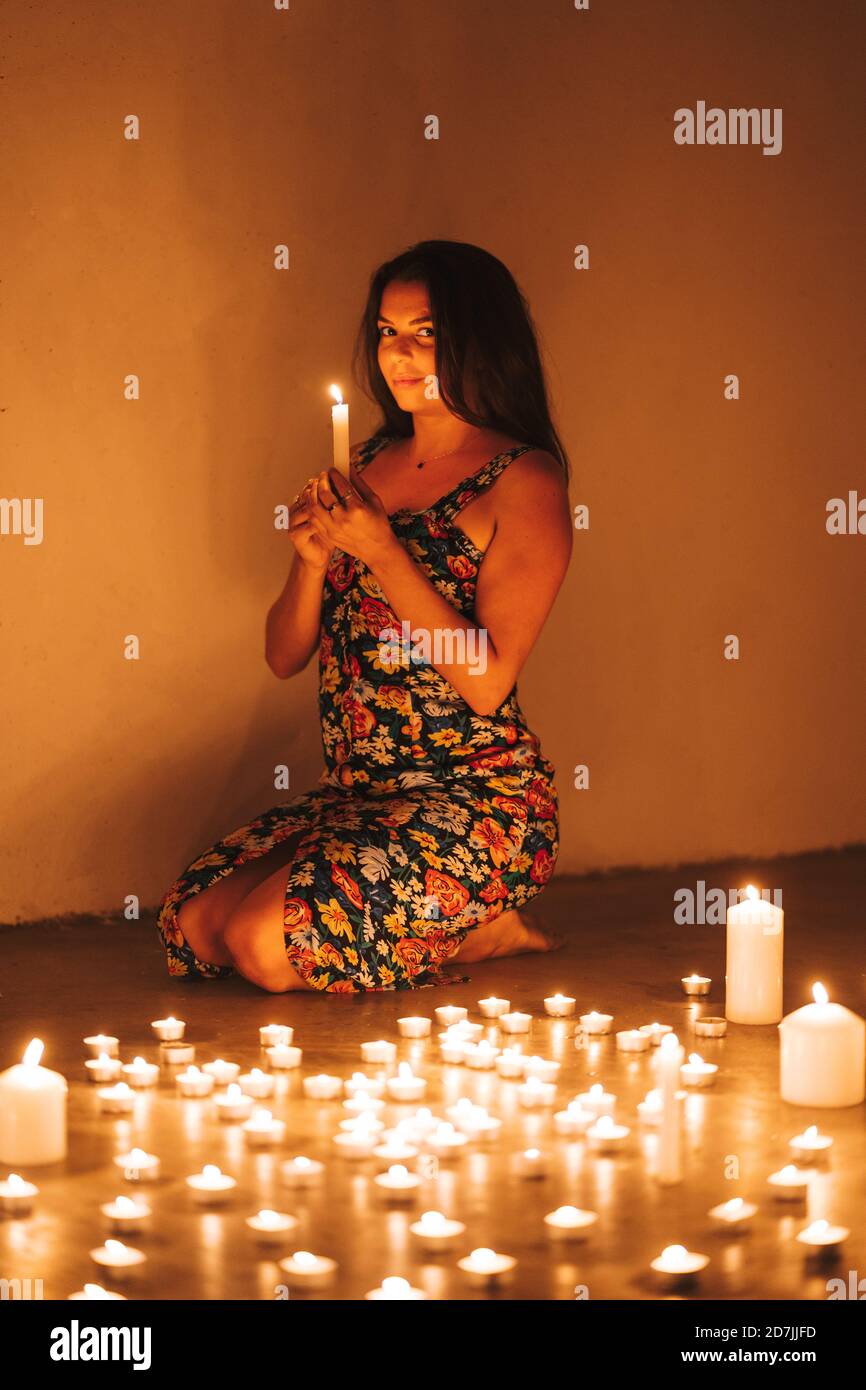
<point x="294" y="621"/>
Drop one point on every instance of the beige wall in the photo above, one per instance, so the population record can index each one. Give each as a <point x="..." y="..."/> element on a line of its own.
<point x="707" y="516"/>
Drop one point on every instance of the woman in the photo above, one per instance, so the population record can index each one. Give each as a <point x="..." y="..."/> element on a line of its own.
<point x="423" y="581"/>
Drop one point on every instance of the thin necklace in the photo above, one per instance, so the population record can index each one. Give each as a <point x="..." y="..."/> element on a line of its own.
<point x="448" y="452"/>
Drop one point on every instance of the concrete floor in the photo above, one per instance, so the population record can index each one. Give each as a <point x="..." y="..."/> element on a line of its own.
<point x="66" y="979"/>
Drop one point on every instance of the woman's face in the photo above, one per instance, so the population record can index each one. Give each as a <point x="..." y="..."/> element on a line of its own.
<point x="407" y="353"/>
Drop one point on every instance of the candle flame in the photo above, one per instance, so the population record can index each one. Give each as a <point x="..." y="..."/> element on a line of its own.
<point x="337" y="394"/>
<point x="211" y="1172"/>
<point x="752" y="892"/>
<point x="396" y="1285"/>
<point x="33" y="1053"/>
<point x="819" y="993"/>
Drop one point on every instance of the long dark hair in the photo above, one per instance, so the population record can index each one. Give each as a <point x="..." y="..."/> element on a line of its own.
<point x="486" y="345"/>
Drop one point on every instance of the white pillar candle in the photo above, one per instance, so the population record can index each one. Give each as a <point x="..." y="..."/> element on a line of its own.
<point x="668" y="1061"/>
<point x="753" y="970"/>
<point x="340" y="425"/>
<point x="32" y="1111"/>
<point x="822" y="1060"/>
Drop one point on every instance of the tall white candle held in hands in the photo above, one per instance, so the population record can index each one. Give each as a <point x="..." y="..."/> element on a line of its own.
<point x="32" y="1111"/>
<point x="753" y="972"/>
<point x="822" y="1057"/>
<point x="340" y="421"/>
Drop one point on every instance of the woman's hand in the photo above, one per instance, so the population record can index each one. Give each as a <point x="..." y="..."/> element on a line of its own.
<point x="311" y="548"/>
<point x="349" y="515"/>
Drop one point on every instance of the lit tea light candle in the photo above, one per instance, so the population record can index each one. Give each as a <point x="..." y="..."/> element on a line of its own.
<point x="194" y="1082"/>
<point x="96" y="1292"/>
<point x="822" y="1057"/>
<point x="560" y="1005"/>
<point x="380" y="1052"/>
<point x="119" y="1259"/>
<point x="102" y="1042"/>
<point x="676" y="1262"/>
<point x="414" y="1027"/>
<point x="821" y="1237"/>
<point x="710" y="1027"/>
<point x="103" y="1068"/>
<point x="363" y="1104"/>
<point x="117" y="1100"/>
<point x="32" y="1111"/>
<point x="445" y="1141"/>
<point x="308" y="1270"/>
<point x="485" y="1266"/>
<point x="633" y="1040"/>
<point x="452" y="1049"/>
<point x="535" y="1092"/>
<point x="491" y="1007"/>
<point x="435" y="1232"/>
<point x="542" y="1067"/>
<point x="271" y="1227"/>
<point x="447" y="1014"/>
<point x="810" y="1145"/>
<point x="597" y="1100"/>
<point x="510" y="1062"/>
<point x="140" y="1073"/>
<point x="570" y="1223"/>
<point x="262" y="1131"/>
<point x="323" y="1086"/>
<point x="394" y="1148"/>
<point x="365" y="1121"/>
<point x="655" y="1031"/>
<point x="694" y="985"/>
<point x="472" y="1119"/>
<point x="210" y="1187"/>
<point x="406" y="1086"/>
<point x="125" y="1214"/>
<point x="257" y="1083"/>
<point x="531" y="1163"/>
<point x="276" y="1034"/>
<point x="480" y="1056"/>
<point x="356" y="1143"/>
<point x="233" y="1104"/>
<point x="395" y="1287"/>
<point x="595" y="1023"/>
<point x="169" y="1029"/>
<point x="301" y="1171"/>
<point x="138" y="1165"/>
<point x="697" y="1072"/>
<point x="790" y="1183"/>
<point x="398" y="1183"/>
<point x="223" y="1072"/>
<point x="573" y="1119"/>
<point x="515" y="1022"/>
<point x="605" y="1135"/>
<point x="17" y="1195"/>
<point x="282" y="1057"/>
<point x="421" y="1123"/>
<point x="361" y="1084"/>
<point x="176" y="1054"/>
<point x="735" y="1215"/>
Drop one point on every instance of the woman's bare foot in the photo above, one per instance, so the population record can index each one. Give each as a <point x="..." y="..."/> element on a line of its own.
<point x="510" y="934"/>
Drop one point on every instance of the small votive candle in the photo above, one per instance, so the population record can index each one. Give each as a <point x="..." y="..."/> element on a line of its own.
<point x="633" y="1040"/>
<point x="210" y="1187"/>
<point x="380" y="1052"/>
<point x="560" y="1005"/>
<point x="194" y="1082"/>
<point x="491" y="1007"/>
<point x="453" y="1048"/>
<point x="323" y="1086"/>
<point x="117" y="1100"/>
<point x="445" y="1141"/>
<point x="271" y="1227"/>
<point x="435" y="1232"/>
<point x="694" y="984"/>
<point x="473" y="1119"/>
<point x="361" y="1084"/>
<point x="125" y="1213"/>
<point x="176" y="1054"/>
<point x="139" y="1073"/>
<point x="822" y="1238"/>
<point x="606" y="1135"/>
<point x="103" y="1068"/>
<point x="257" y="1083"/>
<point x="573" y="1119"/>
<point x="406" y="1086"/>
<point x="515" y="1022"/>
<point x="485" y="1266"/>
<point x="596" y="1023"/>
<point x="676" y="1262"/>
<point x="597" y="1099"/>
<point x="697" y="1072"/>
<point x="95" y="1292"/>
<point x="398" y="1184"/>
<point x="17" y="1195"/>
<point x="790" y="1183"/>
<point x="655" y="1031"/>
<point x="510" y="1062"/>
<point x="233" y="1104"/>
<point x="480" y="1056"/>
<point x="734" y="1215"/>
<point x="102" y="1042"/>
<point x="356" y="1143"/>
<point x="542" y="1067"/>
<point x="301" y="1171"/>
<point x="169" y="1029"/>
<point x="395" y="1287"/>
<point x="366" y="1120"/>
<point x="569" y="1223"/>
<point x="274" y="1034"/>
<point x="223" y="1073"/>
<point x="138" y="1166"/>
<point x="447" y="1014"/>
<point x="710" y="1027"/>
<point x="414" y="1027"/>
<point x="531" y="1163"/>
<point x="119" y="1259"/>
<point x="282" y="1057"/>
<point x="262" y="1131"/>
<point x="363" y="1104"/>
<point x="308" y="1270"/>
<point x="395" y="1147"/>
<point x="810" y="1146"/>
<point x="535" y="1092"/>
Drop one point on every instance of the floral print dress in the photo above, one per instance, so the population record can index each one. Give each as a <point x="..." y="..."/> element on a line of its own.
<point x="428" y="820"/>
